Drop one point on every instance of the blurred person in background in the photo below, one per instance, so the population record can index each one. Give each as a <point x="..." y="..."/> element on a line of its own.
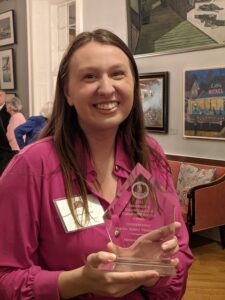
<point x="4" y="115"/>
<point x="5" y="149"/>
<point x="14" y="108"/>
<point x="27" y="132"/>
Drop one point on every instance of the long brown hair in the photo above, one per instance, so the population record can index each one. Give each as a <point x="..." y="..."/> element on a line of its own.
<point x="64" y="127"/>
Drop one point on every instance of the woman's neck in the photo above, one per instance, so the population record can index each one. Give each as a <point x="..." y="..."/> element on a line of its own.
<point x="102" y="149"/>
<point x="102" y="145"/>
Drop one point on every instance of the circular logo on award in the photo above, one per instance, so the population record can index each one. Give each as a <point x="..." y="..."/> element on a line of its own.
<point x="140" y="190"/>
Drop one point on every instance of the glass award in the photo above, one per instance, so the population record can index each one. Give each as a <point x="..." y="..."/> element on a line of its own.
<point x="135" y="220"/>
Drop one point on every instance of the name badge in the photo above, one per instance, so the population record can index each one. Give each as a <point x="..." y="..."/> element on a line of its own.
<point x="95" y="210"/>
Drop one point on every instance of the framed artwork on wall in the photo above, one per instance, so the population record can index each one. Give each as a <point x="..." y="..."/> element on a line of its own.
<point x="204" y="103"/>
<point x="7" y="32"/>
<point x="7" y="81"/>
<point x="172" y="26"/>
<point x="154" y="94"/>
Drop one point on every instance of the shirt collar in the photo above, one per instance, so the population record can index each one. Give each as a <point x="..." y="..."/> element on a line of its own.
<point x="122" y="160"/>
<point x="122" y="163"/>
<point x="1" y="106"/>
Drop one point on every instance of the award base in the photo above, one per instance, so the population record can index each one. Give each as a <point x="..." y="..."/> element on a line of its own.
<point x="123" y="264"/>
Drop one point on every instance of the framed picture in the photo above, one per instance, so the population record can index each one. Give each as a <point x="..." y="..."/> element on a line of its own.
<point x="172" y="26"/>
<point x="7" y="36"/>
<point x="204" y="103"/>
<point x="7" y="70"/>
<point x="154" y="94"/>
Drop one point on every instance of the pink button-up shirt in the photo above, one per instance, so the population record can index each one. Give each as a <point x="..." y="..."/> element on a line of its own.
<point x="35" y="248"/>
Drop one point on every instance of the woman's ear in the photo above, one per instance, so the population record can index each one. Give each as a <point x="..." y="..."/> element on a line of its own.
<point x="68" y="98"/>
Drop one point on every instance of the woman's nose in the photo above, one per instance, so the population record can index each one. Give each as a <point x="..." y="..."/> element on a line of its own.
<point x="106" y="86"/>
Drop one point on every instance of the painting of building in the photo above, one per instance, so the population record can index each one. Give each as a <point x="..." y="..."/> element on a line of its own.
<point x="175" y="26"/>
<point x="204" y="103"/>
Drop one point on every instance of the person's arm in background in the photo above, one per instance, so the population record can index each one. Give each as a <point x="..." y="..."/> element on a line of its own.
<point x="22" y="131"/>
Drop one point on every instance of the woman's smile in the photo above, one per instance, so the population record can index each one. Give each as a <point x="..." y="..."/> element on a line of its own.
<point x="107" y="106"/>
<point x="101" y="86"/>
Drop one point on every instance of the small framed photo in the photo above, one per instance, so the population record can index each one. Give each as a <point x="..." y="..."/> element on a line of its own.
<point x="7" y="32"/>
<point x="7" y="81"/>
<point x="204" y="103"/>
<point x="154" y="95"/>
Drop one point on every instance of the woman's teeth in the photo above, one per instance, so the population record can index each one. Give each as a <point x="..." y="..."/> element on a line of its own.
<point x="106" y="105"/>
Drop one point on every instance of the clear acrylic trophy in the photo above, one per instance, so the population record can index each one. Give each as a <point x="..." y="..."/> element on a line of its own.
<point x="134" y="221"/>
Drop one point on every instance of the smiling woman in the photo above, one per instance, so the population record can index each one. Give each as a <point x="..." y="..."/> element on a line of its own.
<point x="86" y="153"/>
<point x="104" y="85"/>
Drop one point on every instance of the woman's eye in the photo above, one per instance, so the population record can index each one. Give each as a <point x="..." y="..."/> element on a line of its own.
<point x="89" y="76"/>
<point x="118" y="74"/>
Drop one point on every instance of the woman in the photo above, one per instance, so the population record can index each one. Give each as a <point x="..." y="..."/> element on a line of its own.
<point x="92" y="142"/>
<point x="27" y="132"/>
<point x="14" y="108"/>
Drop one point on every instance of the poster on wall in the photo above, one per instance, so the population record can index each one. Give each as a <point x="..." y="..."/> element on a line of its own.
<point x="172" y="26"/>
<point x="6" y="70"/>
<point x="204" y="103"/>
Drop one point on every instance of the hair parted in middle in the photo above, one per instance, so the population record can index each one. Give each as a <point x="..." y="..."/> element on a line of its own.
<point x="63" y="124"/>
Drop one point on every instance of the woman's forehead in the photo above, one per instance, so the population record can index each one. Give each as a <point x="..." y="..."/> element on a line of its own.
<point x="95" y="52"/>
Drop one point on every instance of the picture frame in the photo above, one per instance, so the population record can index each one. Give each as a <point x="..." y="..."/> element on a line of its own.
<point x="173" y="26"/>
<point x="7" y="78"/>
<point x="154" y="95"/>
<point x="7" y="30"/>
<point x="204" y="103"/>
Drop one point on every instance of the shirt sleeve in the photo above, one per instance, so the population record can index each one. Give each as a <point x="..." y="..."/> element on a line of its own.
<point x="173" y="288"/>
<point x="21" y="276"/>
<point x="22" y="130"/>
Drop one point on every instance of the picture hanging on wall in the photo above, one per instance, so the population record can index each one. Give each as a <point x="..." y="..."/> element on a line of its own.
<point x="172" y="26"/>
<point x="7" y="35"/>
<point x="154" y="94"/>
<point x="7" y="81"/>
<point x="204" y="103"/>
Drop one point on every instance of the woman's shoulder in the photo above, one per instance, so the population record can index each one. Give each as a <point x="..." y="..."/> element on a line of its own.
<point x="18" y="116"/>
<point x="38" y="148"/>
<point x="38" y="159"/>
<point x="39" y="155"/>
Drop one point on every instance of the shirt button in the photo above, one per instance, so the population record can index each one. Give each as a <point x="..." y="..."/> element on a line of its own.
<point x="117" y="233"/>
<point x="117" y="167"/>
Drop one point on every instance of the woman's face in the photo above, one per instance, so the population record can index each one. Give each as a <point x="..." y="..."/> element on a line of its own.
<point x="100" y="87"/>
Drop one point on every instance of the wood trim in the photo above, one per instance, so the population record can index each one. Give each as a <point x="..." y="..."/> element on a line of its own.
<point x="196" y="160"/>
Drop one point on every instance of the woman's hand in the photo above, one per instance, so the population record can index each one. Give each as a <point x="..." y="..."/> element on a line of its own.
<point x="150" y="247"/>
<point x="154" y="245"/>
<point x="90" y="279"/>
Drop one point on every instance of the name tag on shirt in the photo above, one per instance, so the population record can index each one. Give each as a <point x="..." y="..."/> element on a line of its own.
<point x="95" y="210"/>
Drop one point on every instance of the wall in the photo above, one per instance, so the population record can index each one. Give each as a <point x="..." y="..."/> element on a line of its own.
<point x="175" y="64"/>
<point x="20" y="49"/>
<point x="114" y="18"/>
<point x="106" y="14"/>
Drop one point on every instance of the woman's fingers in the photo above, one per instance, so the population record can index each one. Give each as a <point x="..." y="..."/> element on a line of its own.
<point x="95" y="259"/>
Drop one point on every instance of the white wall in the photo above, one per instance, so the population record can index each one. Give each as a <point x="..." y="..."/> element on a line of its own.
<point x="108" y="14"/>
